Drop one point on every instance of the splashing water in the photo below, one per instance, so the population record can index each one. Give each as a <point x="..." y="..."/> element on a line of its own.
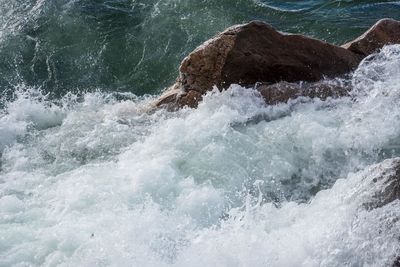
<point x="97" y="180"/>
<point x="136" y="45"/>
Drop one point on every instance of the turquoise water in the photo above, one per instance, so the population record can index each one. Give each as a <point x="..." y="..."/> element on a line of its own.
<point x="136" y="46"/>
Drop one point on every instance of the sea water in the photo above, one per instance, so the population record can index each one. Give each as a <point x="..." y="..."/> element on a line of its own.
<point x="101" y="181"/>
<point x="91" y="175"/>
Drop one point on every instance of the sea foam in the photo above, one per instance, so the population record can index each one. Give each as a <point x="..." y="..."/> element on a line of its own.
<point x="100" y="181"/>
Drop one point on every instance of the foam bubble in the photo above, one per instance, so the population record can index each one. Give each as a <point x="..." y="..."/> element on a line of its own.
<point x="235" y="182"/>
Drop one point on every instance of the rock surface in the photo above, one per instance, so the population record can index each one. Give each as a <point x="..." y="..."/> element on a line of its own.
<point x="386" y="182"/>
<point x="283" y="91"/>
<point x="176" y="98"/>
<point x="255" y="53"/>
<point x="261" y="54"/>
<point x="380" y="186"/>
<point x="385" y="31"/>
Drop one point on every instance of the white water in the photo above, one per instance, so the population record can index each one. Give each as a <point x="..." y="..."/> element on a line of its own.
<point x="100" y="182"/>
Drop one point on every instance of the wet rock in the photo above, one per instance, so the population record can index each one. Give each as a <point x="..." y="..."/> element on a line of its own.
<point x="283" y="91"/>
<point x="385" y="182"/>
<point x="202" y="69"/>
<point x="262" y="54"/>
<point x="175" y="98"/>
<point x="384" y="32"/>
<point x="272" y="94"/>
<point x="255" y="52"/>
<point x="382" y="188"/>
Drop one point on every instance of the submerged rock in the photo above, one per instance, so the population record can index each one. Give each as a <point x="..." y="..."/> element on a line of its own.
<point x="384" y="32"/>
<point x="385" y="179"/>
<point x="255" y="52"/>
<point x="283" y="91"/>
<point x="175" y="98"/>
<point x="378" y="188"/>
<point x="272" y="94"/>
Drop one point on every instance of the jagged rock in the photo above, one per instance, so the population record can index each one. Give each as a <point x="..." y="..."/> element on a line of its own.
<point x="255" y="52"/>
<point x="283" y="91"/>
<point x="202" y="69"/>
<point x="272" y="93"/>
<point x="385" y="182"/>
<point x="385" y="31"/>
<point x="380" y="186"/>
<point x="175" y="98"/>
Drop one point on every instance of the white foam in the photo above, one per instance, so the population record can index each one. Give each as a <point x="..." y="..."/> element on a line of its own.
<point x="232" y="183"/>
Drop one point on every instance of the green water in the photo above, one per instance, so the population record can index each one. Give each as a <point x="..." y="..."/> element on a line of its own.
<point x="93" y="180"/>
<point x="137" y="45"/>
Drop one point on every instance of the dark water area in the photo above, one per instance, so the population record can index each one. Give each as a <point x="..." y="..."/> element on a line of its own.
<point x="136" y="46"/>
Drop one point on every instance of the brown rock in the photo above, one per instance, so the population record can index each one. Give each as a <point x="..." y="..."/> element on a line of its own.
<point x="385" y="31"/>
<point x="255" y="52"/>
<point x="190" y="99"/>
<point x="261" y="54"/>
<point x="283" y="91"/>
<point x="202" y="68"/>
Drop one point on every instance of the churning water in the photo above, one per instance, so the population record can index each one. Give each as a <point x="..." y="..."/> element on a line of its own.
<point x="96" y="179"/>
<point x="137" y="45"/>
<point x="101" y="182"/>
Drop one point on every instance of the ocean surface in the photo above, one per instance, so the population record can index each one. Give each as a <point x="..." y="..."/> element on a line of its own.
<point x="89" y="177"/>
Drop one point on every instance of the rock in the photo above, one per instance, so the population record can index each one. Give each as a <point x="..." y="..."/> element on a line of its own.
<point x="255" y="52"/>
<point x="385" y="182"/>
<point x="283" y="91"/>
<point x="261" y="54"/>
<point x="202" y="69"/>
<point x="175" y="98"/>
<point x="272" y="93"/>
<point x="380" y="186"/>
<point x="385" y="31"/>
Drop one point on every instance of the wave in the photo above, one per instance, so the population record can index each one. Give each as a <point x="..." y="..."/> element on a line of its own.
<point x="135" y="46"/>
<point x="96" y="179"/>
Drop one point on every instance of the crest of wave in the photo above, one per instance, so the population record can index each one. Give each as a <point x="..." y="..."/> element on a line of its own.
<point x="100" y="182"/>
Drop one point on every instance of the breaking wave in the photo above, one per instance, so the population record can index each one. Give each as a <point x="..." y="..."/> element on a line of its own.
<point x="101" y="179"/>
